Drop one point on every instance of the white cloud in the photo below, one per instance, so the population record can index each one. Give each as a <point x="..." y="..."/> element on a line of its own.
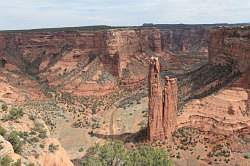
<point x="23" y="14"/>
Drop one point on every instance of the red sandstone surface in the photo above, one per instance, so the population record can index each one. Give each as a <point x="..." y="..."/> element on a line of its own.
<point x="88" y="75"/>
<point x="162" y="104"/>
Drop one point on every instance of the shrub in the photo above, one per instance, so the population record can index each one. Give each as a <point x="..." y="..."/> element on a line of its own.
<point x="53" y="148"/>
<point x="15" y="140"/>
<point x="1" y="147"/>
<point x="31" y="164"/>
<point x="81" y="149"/>
<point x="39" y="127"/>
<point x="4" y="107"/>
<point x="2" y="131"/>
<point x="14" y="114"/>
<point x="17" y="163"/>
<point x="114" y="153"/>
<point x="247" y="155"/>
<point x="5" y="161"/>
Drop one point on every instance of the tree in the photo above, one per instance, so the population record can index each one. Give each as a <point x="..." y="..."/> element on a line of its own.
<point x="115" y="154"/>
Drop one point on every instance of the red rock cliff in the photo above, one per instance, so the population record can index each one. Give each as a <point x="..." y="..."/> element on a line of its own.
<point x="68" y="59"/>
<point x="230" y="46"/>
<point x="185" y="39"/>
<point x="125" y="45"/>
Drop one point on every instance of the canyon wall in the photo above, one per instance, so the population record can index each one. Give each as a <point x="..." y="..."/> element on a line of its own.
<point x="230" y="46"/>
<point x="229" y="56"/>
<point x="30" y="49"/>
<point x="131" y="44"/>
<point x="70" y="59"/>
<point x="184" y="39"/>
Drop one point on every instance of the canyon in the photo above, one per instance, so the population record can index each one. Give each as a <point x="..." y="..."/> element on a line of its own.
<point x="90" y="84"/>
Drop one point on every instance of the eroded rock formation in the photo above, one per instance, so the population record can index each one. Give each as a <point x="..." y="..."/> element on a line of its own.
<point x="184" y="39"/>
<point x="162" y="104"/>
<point x="73" y="60"/>
<point x="155" y="121"/>
<point x="230" y="46"/>
<point x="170" y="106"/>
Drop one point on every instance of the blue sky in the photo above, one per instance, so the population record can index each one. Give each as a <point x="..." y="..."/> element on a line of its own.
<point x="27" y="14"/>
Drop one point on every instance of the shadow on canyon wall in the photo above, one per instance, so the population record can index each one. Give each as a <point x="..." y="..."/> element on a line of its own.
<point x="204" y="81"/>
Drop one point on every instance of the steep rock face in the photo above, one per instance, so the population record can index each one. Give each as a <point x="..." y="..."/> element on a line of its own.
<point x="69" y="60"/>
<point x="185" y="39"/>
<point x="155" y="121"/>
<point x="230" y="46"/>
<point x="170" y="106"/>
<point x="29" y="50"/>
<point x="162" y="108"/>
<point x="227" y="73"/>
<point x="124" y="46"/>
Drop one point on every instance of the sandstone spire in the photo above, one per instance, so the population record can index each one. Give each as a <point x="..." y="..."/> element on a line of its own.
<point x="169" y="106"/>
<point x="155" y="128"/>
<point x="162" y="104"/>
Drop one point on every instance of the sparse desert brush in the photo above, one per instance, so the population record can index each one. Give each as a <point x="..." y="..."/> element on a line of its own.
<point x="6" y="161"/>
<point x="15" y="139"/>
<point x="14" y="114"/>
<point x="2" y="131"/>
<point x="4" y="107"/>
<point x="53" y="148"/>
<point x="247" y="155"/>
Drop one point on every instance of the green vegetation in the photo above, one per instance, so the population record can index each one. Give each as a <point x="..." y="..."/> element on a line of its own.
<point x="53" y="148"/>
<point x="220" y="150"/>
<point x="81" y="149"/>
<point x="1" y="147"/>
<point x="40" y="128"/>
<point x="247" y="155"/>
<point x="2" y="131"/>
<point x="114" y="153"/>
<point x="6" y="161"/>
<point x="31" y="164"/>
<point x="15" y="139"/>
<point x="14" y="114"/>
<point x="17" y="163"/>
<point x="4" y="107"/>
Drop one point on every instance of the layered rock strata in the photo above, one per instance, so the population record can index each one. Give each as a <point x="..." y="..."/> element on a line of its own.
<point x="155" y="117"/>
<point x="162" y="104"/>
<point x="67" y="59"/>
<point x="230" y="46"/>
<point x="170" y="106"/>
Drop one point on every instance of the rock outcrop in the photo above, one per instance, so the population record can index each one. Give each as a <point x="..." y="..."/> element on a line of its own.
<point x="230" y="46"/>
<point x="6" y="149"/>
<point x="162" y="104"/>
<point x="155" y="117"/>
<point x="170" y="106"/>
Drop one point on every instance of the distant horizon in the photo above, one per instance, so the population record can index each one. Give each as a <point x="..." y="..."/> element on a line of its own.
<point x="34" y="14"/>
<point x="117" y="26"/>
